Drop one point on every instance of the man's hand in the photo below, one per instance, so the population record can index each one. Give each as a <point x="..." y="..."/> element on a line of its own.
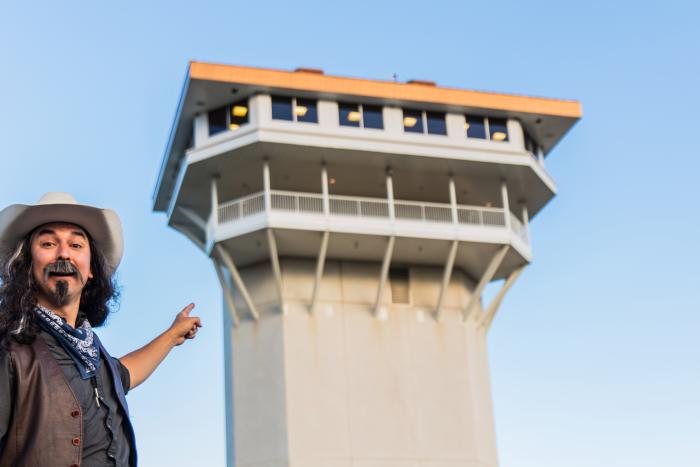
<point x="184" y="326"/>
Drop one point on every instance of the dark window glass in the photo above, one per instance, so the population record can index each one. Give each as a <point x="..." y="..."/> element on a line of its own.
<point x="412" y="121"/>
<point x="239" y="114"/>
<point x="498" y="129"/>
<point x="217" y="121"/>
<point x="372" y="116"/>
<point x="305" y="111"/>
<point x="398" y="281"/>
<point x="282" y="108"/>
<point x="475" y="127"/>
<point x="436" y="123"/>
<point x="349" y="114"/>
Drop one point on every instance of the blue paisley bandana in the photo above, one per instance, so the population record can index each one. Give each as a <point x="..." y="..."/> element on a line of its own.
<point x="79" y="342"/>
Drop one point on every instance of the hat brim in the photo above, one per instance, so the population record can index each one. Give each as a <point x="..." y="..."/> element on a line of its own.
<point x="103" y="226"/>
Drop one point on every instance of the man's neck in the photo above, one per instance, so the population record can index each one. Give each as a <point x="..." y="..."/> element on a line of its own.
<point x="67" y="311"/>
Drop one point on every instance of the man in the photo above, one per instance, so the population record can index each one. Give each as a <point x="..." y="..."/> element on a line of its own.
<point x="61" y="394"/>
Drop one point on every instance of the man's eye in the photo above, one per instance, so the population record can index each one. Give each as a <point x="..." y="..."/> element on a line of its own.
<point x="46" y="244"/>
<point x="77" y="245"/>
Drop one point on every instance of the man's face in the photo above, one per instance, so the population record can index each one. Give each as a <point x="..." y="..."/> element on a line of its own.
<point x="60" y="263"/>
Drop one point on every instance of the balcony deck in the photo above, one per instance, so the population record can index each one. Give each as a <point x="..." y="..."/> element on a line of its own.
<point x="368" y="218"/>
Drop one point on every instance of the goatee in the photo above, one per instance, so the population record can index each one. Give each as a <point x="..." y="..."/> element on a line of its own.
<point x="60" y="296"/>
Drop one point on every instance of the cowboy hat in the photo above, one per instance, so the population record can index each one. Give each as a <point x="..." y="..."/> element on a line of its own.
<point x="103" y="225"/>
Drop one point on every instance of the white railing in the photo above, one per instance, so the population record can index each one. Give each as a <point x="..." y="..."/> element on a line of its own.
<point x="241" y="207"/>
<point x="355" y="206"/>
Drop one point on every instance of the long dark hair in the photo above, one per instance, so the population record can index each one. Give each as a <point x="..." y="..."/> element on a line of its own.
<point x="18" y="291"/>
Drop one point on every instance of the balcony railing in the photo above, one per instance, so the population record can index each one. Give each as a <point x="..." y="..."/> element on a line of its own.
<point x="368" y="208"/>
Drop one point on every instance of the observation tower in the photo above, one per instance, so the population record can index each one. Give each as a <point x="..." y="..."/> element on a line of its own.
<point x="353" y="225"/>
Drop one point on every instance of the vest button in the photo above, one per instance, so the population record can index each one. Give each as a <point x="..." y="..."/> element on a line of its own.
<point x="76" y="441"/>
<point x="75" y="414"/>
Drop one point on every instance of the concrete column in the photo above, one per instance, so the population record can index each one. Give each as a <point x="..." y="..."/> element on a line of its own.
<point x="506" y="204"/>
<point x="390" y="192"/>
<point x="453" y="199"/>
<point x="324" y="188"/>
<point x="526" y="221"/>
<point x="266" y="185"/>
<point x="201" y="129"/>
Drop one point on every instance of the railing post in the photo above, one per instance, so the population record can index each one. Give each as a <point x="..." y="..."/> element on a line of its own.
<point x="506" y="204"/>
<point x="266" y="185"/>
<point x="453" y="199"/>
<point x="324" y="189"/>
<point x="213" y="223"/>
<point x="390" y="193"/>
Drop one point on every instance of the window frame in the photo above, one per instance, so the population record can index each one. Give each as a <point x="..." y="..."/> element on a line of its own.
<point x="361" y="110"/>
<point x="487" y="128"/>
<point x="424" y="121"/>
<point x="228" y="109"/>
<point x="295" y="118"/>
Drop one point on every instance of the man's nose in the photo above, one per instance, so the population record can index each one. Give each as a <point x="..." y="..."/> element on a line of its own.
<point x="63" y="251"/>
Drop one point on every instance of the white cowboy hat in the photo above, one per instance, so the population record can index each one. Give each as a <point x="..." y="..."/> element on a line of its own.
<point x="103" y="225"/>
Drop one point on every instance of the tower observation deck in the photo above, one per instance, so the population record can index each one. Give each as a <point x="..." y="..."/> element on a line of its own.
<point x="353" y="225"/>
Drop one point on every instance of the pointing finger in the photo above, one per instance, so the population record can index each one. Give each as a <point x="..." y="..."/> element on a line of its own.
<point x="186" y="311"/>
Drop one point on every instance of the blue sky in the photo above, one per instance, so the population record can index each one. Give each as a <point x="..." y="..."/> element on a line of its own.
<point x="595" y="356"/>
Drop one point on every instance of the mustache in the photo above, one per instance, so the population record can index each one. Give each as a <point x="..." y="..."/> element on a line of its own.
<point x="61" y="268"/>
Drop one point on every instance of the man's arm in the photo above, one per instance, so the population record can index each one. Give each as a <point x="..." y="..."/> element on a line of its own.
<point x="142" y="362"/>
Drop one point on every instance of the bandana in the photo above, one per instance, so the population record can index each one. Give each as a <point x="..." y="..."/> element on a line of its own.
<point x="79" y="342"/>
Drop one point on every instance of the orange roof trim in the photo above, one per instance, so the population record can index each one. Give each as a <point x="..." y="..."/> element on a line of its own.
<point x="308" y="81"/>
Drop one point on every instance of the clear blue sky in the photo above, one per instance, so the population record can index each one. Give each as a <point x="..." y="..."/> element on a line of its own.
<point x="595" y="355"/>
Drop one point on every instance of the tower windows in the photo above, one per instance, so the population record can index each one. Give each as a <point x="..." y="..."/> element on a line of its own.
<point x="228" y="117"/>
<point x="416" y="121"/>
<point x="495" y="129"/>
<point x="360" y="115"/>
<point x="294" y="109"/>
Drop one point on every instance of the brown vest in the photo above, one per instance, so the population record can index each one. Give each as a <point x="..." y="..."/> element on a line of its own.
<point x="46" y="429"/>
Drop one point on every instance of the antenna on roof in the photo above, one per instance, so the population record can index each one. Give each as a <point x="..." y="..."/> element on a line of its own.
<point x="395" y="76"/>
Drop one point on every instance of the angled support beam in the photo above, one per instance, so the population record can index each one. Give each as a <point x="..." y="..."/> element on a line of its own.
<point x="228" y="293"/>
<point x="228" y="262"/>
<point x="485" y="279"/>
<point x="192" y="217"/>
<point x="276" y="270"/>
<point x="446" y="275"/>
<point x="187" y="233"/>
<point x="384" y="273"/>
<point x="496" y="302"/>
<point x="320" y="265"/>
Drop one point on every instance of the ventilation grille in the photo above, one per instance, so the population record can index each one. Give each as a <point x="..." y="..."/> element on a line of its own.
<point x="398" y="278"/>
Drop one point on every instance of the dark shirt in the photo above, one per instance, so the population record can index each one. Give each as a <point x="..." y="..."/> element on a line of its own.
<point x="105" y="440"/>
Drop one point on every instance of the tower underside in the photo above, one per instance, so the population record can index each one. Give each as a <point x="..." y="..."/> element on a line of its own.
<point x="347" y="385"/>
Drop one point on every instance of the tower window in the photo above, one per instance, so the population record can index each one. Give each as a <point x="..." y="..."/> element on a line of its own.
<point x="228" y="117"/>
<point x="398" y="280"/>
<point x="416" y="121"/>
<point x="294" y="109"/>
<point x="282" y="108"/>
<point x="436" y="123"/>
<point x="495" y="129"/>
<point x="360" y="115"/>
